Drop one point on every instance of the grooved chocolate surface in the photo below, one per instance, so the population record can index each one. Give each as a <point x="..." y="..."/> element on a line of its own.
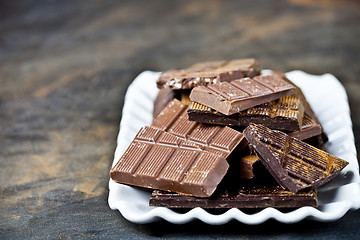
<point x="207" y="73"/>
<point x="285" y="113"/>
<point x="238" y="197"/>
<point x="159" y="160"/>
<point x="294" y="164"/>
<point x="309" y="129"/>
<point x="298" y="92"/>
<point x="307" y="108"/>
<point x="213" y="138"/>
<point x="238" y="95"/>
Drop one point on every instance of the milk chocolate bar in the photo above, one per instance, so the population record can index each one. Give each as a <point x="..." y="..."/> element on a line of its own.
<point x="207" y="73"/>
<point x="212" y="138"/>
<point x="159" y="160"/>
<point x="285" y="113"/>
<point x="294" y="164"/>
<point x="238" y="95"/>
<point x="239" y="197"/>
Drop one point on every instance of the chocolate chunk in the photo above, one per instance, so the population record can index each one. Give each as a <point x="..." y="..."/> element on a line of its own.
<point x="238" y="95"/>
<point x="246" y="166"/>
<point x="294" y="164"/>
<point x="207" y="73"/>
<point x="184" y="97"/>
<point x="249" y="167"/>
<point x="238" y="197"/>
<point x="285" y="113"/>
<point x="309" y="129"/>
<point x="159" y="160"/>
<point x="212" y="138"/>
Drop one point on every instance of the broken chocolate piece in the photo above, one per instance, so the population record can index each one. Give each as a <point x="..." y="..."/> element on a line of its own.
<point x="238" y="95"/>
<point x="294" y="164"/>
<point x="212" y="138"/>
<point x="184" y="97"/>
<point x="159" y="160"/>
<point x="246" y="166"/>
<point x="238" y="197"/>
<point x="202" y="74"/>
<point x="285" y="113"/>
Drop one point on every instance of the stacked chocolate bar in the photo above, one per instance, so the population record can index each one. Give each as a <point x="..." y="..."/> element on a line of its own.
<point x="224" y="136"/>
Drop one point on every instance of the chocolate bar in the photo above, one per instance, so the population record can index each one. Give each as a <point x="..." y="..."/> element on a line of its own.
<point x="310" y="133"/>
<point x="307" y="108"/>
<point x="294" y="164"/>
<point x="207" y="73"/>
<point x="159" y="160"/>
<point x="297" y="92"/>
<point x="212" y="138"/>
<point x="309" y="129"/>
<point x="285" y="113"/>
<point x="238" y="95"/>
<point x="239" y="197"/>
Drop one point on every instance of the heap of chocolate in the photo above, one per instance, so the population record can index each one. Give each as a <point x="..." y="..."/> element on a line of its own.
<point x="224" y="136"/>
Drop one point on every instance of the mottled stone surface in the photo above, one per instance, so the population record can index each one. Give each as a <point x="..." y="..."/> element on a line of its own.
<point x="65" y="67"/>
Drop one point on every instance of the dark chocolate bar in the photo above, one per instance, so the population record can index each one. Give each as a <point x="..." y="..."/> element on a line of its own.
<point x="309" y="129"/>
<point x="240" y="197"/>
<point x="285" y="113"/>
<point x="297" y="92"/>
<point x="307" y="108"/>
<point x="294" y="164"/>
<point x="202" y="74"/>
<point x="238" y="95"/>
<point x="212" y="138"/>
<point x="159" y="160"/>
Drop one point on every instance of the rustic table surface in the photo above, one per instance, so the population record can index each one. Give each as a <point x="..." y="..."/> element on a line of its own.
<point x="65" y="67"/>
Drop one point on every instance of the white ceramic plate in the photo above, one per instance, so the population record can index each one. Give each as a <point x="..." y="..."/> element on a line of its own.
<point x="329" y="101"/>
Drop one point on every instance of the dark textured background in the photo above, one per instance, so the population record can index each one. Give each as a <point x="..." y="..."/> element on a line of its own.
<point x="65" y="67"/>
